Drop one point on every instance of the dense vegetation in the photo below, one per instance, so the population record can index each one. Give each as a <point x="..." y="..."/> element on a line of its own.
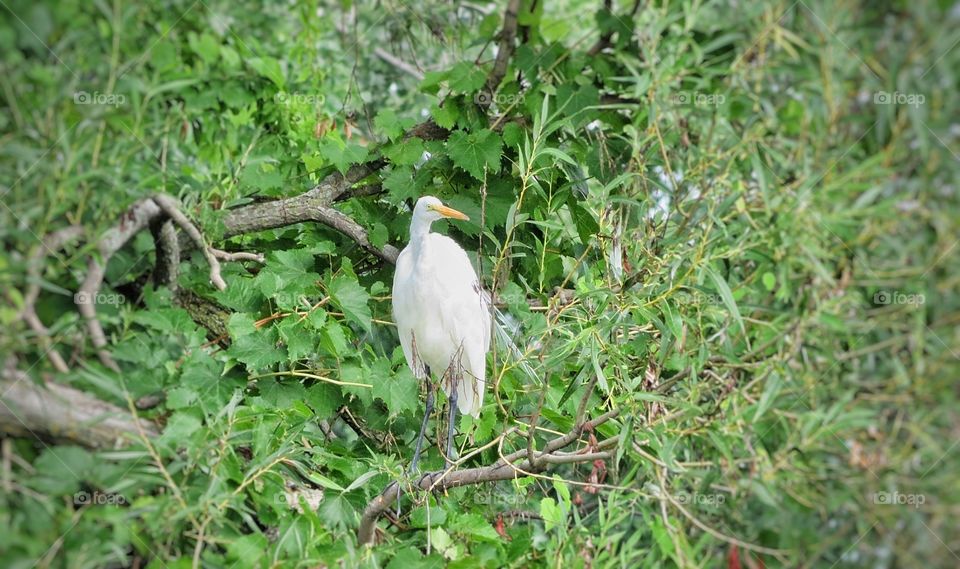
<point x="724" y="233"/>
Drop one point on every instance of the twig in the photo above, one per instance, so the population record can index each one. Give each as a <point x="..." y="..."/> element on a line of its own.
<point x="237" y="256"/>
<point x="398" y="63"/>
<point x="172" y="210"/>
<point x="503" y="469"/>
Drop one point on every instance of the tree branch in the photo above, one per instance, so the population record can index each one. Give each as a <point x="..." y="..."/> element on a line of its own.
<point x="167" y="266"/>
<point x="398" y="63"/>
<point x="50" y="244"/>
<point x="60" y="413"/>
<point x="172" y="211"/>
<point x="500" y="470"/>
<point x="505" y="47"/>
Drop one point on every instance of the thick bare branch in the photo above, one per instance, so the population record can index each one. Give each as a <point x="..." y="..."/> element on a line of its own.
<point x="63" y="414"/>
<point x="167" y="266"/>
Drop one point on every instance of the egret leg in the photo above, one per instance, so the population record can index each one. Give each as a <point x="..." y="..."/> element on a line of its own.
<point x="423" y="431"/>
<point x="451" y="418"/>
<point x="423" y="425"/>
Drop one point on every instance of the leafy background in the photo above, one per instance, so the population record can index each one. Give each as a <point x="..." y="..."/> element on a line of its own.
<point x="737" y="211"/>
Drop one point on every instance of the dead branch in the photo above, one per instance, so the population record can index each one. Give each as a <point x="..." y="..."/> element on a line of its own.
<point x="63" y="414"/>
<point x="167" y="266"/>
<point x="50" y="244"/>
<point x="398" y="63"/>
<point x="172" y="211"/>
<point x="131" y="222"/>
<point x="237" y="256"/>
<point x="505" y="48"/>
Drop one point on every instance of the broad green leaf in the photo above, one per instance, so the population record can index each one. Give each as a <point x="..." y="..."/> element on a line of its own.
<point x="475" y="151"/>
<point x="352" y="299"/>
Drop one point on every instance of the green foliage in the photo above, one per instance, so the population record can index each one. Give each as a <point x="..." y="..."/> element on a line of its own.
<point x="749" y="210"/>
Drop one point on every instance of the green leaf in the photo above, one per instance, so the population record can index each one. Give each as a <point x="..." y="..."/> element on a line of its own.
<point x="324" y="399"/>
<point x="769" y="281"/>
<point x="770" y="391"/>
<point x="727" y="296"/>
<point x="270" y="68"/>
<point x="257" y="350"/>
<point x="180" y="426"/>
<point x="447" y="115"/>
<point x="352" y="299"/>
<point x="465" y="77"/>
<point x="299" y="341"/>
<point x="475" y="150"/>
<point x="400" y="391"/>
<point x="342" y="154"/>
<point x="181" y="397"/>
<point x="551" y="513"/>
<point x="405" y="152"/>
<point x="399" y="182"/>
<point x="388" y="123"/>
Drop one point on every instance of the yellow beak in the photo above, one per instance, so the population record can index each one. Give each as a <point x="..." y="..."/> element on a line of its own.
<point x="450" y="212"/>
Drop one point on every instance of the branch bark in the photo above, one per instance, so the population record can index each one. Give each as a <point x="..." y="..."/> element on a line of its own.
<point x="50" y="244"/>
<point x="63" y="414"/>
<point x="505" y="47"/>
<point x="500" y="470"/>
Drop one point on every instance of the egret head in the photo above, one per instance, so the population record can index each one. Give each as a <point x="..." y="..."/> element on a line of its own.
<point x="430" y="209"/>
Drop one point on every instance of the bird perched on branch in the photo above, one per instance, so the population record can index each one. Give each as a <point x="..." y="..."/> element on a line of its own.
<point x="443" y="317"/>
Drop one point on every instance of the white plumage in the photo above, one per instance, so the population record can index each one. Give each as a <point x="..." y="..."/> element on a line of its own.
<point x="441" y="311"/>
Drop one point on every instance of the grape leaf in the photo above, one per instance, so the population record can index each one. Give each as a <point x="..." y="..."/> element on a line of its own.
<point x="352" y="299"/>
<point x="475" y="150"/>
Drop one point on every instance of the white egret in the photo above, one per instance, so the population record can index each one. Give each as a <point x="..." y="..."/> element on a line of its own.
<point x="443" y="316"/>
